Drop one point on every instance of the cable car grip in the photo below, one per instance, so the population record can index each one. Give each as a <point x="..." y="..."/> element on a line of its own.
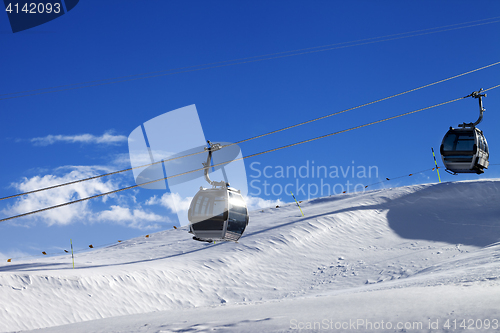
<point x="206" y="165"/>
<point x="476" y="94"/>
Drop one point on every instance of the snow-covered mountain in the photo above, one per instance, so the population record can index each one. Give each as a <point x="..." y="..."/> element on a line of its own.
<point x="416" y="258"/>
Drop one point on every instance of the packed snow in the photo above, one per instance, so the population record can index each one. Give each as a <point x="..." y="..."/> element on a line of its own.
<point x="411" y="259"/>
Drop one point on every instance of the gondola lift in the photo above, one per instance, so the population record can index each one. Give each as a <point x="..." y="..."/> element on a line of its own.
<point x="465" y="149"/>
<point x="218" y="213"/>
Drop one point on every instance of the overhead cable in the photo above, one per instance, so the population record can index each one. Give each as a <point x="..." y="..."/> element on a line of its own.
<point x="237" y="159"/>
<point x="255" y="137"/>
<point x="246" y="60"/>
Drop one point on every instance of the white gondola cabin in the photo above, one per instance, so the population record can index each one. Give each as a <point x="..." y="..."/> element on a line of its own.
<point x="218" y="213"/>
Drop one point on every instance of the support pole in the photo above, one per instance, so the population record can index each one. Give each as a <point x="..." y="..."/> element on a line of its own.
<point x="297" y="203"/>
<point x="72" y="257"/>
<point x="435" y="162"/>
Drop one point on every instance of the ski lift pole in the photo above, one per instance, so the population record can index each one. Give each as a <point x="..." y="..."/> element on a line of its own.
<point x="72" y="257"/>
<point x="435" y="162"/>
<point x="297" y="203"/>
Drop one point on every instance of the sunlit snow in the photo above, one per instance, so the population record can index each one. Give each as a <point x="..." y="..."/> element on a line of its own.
<point x="416" y="258"/>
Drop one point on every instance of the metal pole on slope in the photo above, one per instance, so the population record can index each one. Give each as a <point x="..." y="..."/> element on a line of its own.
<point x="435" y="162"/>
<point x="72" y="257"/>
<point x="297" y="203"/>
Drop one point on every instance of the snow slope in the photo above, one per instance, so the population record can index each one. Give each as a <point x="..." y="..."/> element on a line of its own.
<point x="418" y="257"/>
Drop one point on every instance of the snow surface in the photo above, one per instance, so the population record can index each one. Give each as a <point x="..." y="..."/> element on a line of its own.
<point x="417" y="256"/>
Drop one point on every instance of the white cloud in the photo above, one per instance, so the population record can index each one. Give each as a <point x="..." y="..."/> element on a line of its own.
<point x="133" y="218"/>
<point x="172" y="201"/>
<point x="120" y="212"/>
<point x="256" y="203"/>
<point x="106" y="138"/>
<point x="62" y="215"/>
<point x="122" y="160"/>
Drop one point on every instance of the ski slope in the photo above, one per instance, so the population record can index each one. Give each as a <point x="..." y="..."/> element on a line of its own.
<point x="417" y="258"/>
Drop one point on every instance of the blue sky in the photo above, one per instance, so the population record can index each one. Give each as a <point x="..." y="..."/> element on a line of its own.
<point x="58" y="136"/>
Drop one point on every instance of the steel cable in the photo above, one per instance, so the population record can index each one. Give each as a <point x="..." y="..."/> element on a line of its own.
<point x="241" y="61"/>
<point x="238" y="159"/>
<point x="256" y="137"/>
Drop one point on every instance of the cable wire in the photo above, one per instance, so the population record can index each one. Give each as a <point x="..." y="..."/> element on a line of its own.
<point x="238" y="159"/>
<point x="246" y="60"/>
<point x="498" y="85"/>
<point x="407" y="175"/>
<point x="95" y="177"/>
<point x="258" y="136"/>
<point x="366" y="104"/>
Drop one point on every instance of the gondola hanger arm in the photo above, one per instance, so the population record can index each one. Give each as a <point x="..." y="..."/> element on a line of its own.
<point x="478" y="95"/>
<point x="206" y="165"/>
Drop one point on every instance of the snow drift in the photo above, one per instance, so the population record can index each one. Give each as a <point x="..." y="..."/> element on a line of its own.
<point x="418" y="254"/>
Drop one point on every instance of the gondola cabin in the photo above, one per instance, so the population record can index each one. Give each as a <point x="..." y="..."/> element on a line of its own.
<point x="217" y="214"/>
<point x="465" y="150"/>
